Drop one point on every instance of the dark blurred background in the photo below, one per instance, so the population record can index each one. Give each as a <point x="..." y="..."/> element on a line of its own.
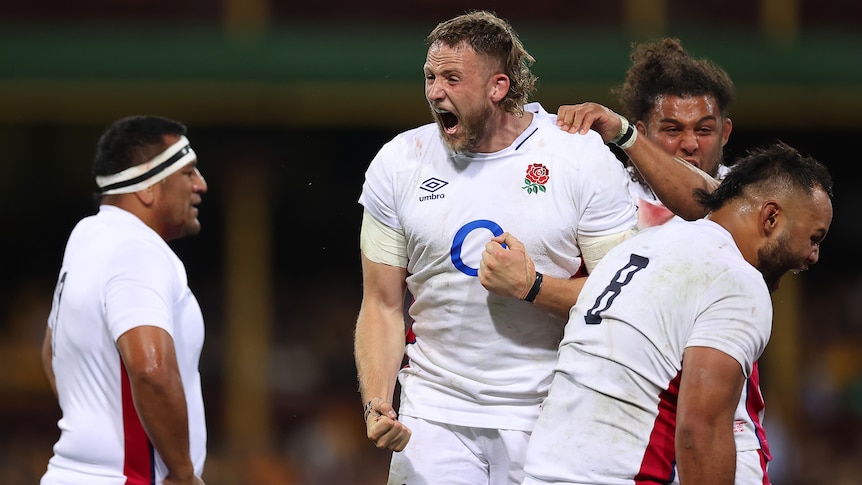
<point x="286" y="103"/>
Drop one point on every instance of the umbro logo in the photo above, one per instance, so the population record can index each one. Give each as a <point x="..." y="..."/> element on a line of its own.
<point x="432" y="185"/>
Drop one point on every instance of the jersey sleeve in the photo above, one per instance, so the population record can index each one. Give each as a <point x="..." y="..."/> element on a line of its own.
<point x="738" y="322"/>
<point x="378" y="190"/>
<point x="608" y="206"/>
<point x="140" y="290"/>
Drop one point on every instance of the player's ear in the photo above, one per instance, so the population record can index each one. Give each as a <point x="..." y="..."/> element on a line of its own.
<point x="500" y="87"/>
<point x="770" y="217"/>
<point x="147" y="196"/>
<point x="725" y="132"/>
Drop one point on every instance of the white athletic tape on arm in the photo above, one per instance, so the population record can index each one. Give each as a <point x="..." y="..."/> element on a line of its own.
<point x="627" y="136"/>
<point x="594" y="248"/>
<point x="381" y="243"/>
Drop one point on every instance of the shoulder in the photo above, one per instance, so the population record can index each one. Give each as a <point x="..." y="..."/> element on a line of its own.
<point x="426" y="133"/>
<point x="132" y="245"/>
<point x="717" y="248"/>
<point x="574" y="144"/>
<point x="409" y="144"/>
<point x="113" y="230"/>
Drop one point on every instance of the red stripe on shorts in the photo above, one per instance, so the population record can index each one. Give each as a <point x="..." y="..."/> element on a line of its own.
<point x="755" y="405"/>
<point x="138" y="462"/>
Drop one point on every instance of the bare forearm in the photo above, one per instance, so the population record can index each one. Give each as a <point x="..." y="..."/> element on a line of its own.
<point x="48" y="361"/>
<point x="672" y="179"/>
<point x="708" y="394"/>
<point x="379" y="351"/>
<point x="558" y="296"/>
<point x="706" y="457"/>
<point x="161" y="405"/>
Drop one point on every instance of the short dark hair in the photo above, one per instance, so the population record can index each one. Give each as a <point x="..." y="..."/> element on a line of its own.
<point x="772" y="168"/>
<point x="132" y="141"/>
<point x="494" y="37"/>
<point x="663" y="67"/>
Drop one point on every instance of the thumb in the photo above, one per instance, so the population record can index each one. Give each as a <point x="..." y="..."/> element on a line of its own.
<point x="512" y="242"/>
<point x="501" y="239"/>
<point x="387" y="410"/>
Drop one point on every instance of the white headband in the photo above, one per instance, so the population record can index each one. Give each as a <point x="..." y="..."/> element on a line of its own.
<point x="148" y="173"/>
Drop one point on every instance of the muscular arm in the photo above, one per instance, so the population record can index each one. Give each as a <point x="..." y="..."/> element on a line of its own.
<point x="558" y="296"/>
<point x="672" y="179"/>
<point x="379" y="350"/>
<point x="47" y="360"/>
<point x="709" y="392"/>
<point x="151" y="363"/>
<point x="510" y="272"/>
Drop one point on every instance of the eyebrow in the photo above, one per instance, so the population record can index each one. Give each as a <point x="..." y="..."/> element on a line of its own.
<point x="674" y="120"/>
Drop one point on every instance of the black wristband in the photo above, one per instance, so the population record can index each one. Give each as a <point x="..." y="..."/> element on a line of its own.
<point x="534" y="290"/>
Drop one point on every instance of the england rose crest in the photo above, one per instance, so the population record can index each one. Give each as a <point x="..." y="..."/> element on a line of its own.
<point x="536" y="178"/>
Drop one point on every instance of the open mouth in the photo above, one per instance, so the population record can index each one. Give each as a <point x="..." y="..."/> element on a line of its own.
<point x="448" y="120"/>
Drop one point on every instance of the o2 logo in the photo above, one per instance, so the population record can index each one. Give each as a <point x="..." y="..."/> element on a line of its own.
<point x="458" y="242"/>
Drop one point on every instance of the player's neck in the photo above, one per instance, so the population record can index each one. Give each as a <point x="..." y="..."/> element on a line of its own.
<point x="742" y="229"/>
<point x="503" y="129"/>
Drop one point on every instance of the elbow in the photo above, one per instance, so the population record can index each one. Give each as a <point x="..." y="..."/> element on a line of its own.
<point x="686" y="438"/>
<point x="151" y="373"/>
<point x="692" y="431"/>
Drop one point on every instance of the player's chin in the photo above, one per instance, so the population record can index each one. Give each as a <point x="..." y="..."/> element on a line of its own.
<point x="192" y="228"/>
<point x="458" y="141"/>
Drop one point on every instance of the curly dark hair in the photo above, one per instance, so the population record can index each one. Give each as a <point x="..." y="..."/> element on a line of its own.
<point x="494" y="37"/>
<point x="663" y="67"/>
<point x="772" y="168"/>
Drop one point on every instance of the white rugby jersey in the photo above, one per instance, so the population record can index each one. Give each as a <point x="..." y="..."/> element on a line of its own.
<point x="610" y="415"/>
<point x="652" y="212"/>
<point x="117" y="274"/>
<point x="479" y="359"/>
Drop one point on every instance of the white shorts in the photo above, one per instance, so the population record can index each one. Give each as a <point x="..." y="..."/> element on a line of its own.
<point x="458" y="455"/>
<point x="750" y="470"/>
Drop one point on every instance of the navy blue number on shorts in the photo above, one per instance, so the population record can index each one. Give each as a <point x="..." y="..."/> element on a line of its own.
<point x="622" y="278"/>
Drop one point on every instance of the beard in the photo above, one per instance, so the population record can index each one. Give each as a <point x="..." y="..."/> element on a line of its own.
<point x="471" y="129"/>
<point x="776" y="259"/>
<point x="718" y="163"/>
